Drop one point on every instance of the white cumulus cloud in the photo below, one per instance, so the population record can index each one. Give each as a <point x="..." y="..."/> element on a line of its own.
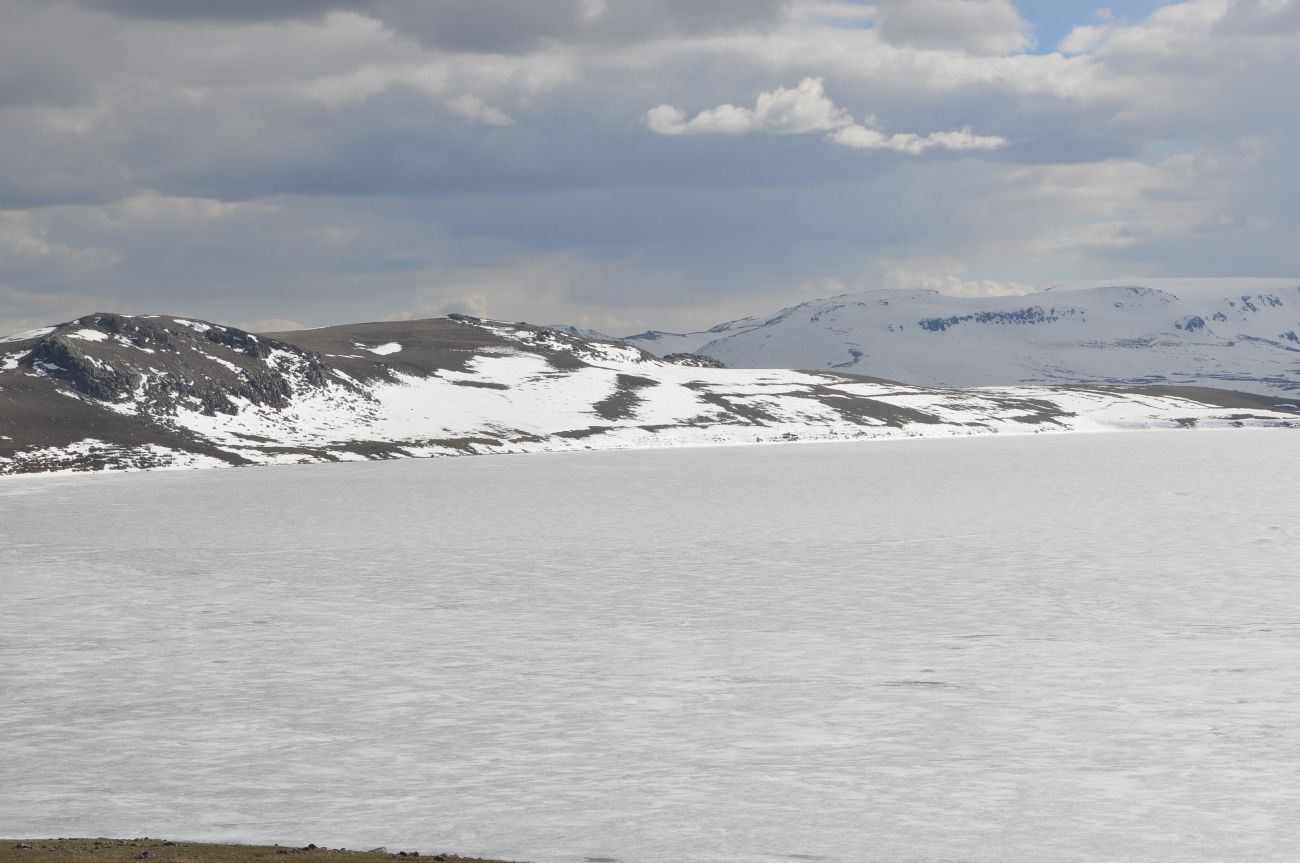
<point x="866" y="138"/>
<point x="945" y="275"/>
<point x="806" y="108"/>
<point x="783" y="111"/>
<point x="991" y="27"/>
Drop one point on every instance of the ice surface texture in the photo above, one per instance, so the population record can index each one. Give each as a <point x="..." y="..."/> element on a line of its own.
<point x="1064" y="648"/>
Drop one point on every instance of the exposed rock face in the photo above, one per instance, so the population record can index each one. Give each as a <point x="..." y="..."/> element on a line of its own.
<point x="168" y="392"/>
<point x="1029" y="315"/>
<point x="168" y="364"/>
<point x="699" y="361"/>
<point x="245" y="343"/>
<point x="143" y="332"/>
<point x="95" y="378"/>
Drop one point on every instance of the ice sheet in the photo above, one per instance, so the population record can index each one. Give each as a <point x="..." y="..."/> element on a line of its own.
<point x="1041" y="648"/>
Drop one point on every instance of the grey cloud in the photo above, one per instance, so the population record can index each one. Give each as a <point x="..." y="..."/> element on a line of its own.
<point x="488" y="25"/>
<point x="35" y="66"/>
<point x="498" y="26"/>
<point x="222" y="10"/>
<point x="319" y="169"/>
<point x="509" y="26"/>
<point x="661" y="254"/>
<point x="1274" y="18"/>
<point x="977" y="26"/>
<point x="45" y="161"/>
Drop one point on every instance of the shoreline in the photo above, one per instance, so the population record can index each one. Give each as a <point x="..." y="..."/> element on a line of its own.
<point x="108" y="850"/>
<point x="65" y="473"/>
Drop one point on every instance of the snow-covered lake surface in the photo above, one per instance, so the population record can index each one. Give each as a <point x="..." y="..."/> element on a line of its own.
<point x="1048" y="648"/>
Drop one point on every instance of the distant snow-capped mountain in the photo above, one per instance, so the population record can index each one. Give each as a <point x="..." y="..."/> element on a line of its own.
<point x="1245" y="339"/>
<point x="122" y="391"/>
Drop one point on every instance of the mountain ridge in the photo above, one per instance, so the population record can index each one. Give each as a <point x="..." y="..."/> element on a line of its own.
<point x="1122" y="335"/>
<point x="114" y="391"/>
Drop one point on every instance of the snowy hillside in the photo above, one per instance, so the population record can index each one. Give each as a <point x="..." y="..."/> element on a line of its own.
<point x="119" y="391"/>
<point x="1202" y="334"/>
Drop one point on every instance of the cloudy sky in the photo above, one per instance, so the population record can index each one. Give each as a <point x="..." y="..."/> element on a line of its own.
<point x="620" y="164"/>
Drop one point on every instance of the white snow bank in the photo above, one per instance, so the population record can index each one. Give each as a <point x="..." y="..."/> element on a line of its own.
<point x="29" y="334"/>
<point x="89" y="336"/>
<point x="382" y="350"/>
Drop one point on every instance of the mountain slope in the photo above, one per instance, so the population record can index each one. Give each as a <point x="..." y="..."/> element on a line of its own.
<point x="1125" y="335"/>
<point x="120" y="391"/>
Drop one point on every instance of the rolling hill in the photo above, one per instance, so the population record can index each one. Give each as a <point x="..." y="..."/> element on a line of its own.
<point x="1128" y="335"/>
<point x="112" y="391"/>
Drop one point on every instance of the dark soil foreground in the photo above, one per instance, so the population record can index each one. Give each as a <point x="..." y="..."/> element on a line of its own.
<point x="131" y="850"/>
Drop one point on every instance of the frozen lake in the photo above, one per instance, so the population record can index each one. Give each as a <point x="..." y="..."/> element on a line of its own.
<point x="1048" y="648"/>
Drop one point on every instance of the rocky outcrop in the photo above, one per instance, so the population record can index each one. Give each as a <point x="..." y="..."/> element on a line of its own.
<point x="699" y="361"/>
<point x="96" y="378"/>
